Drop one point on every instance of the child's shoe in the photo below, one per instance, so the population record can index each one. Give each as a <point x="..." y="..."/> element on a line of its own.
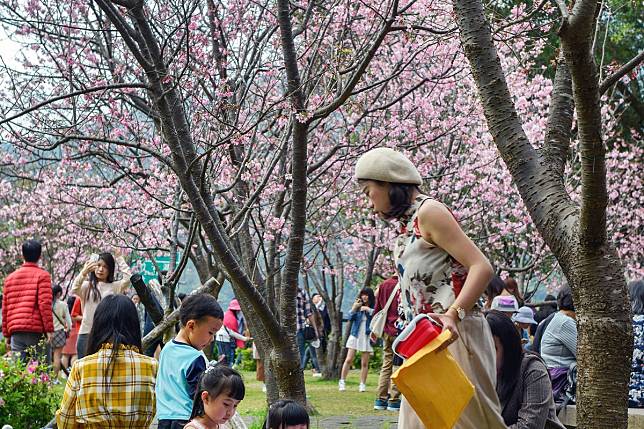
<point x="341" y="386"/>
<point x="362" y="388"/>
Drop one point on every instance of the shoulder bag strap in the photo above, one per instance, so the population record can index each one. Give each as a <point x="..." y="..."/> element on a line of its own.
<point x="385" y="309"/>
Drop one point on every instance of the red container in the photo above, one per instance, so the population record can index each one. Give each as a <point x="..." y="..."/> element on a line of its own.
<point x="420" y="332"/>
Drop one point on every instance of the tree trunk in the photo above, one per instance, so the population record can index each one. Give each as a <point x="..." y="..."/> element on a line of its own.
<point x="576" y="236"/>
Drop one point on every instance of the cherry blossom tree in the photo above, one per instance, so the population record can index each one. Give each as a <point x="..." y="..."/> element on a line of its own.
<point x="256" y="113"/>
<point x="576" y="232"/>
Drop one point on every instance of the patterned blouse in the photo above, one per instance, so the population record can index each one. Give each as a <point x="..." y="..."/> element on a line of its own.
<point x="636" y="388"/>
<point x="430" y="279"/>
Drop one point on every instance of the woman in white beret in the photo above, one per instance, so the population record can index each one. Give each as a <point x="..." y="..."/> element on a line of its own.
<point x="441" y="273"/>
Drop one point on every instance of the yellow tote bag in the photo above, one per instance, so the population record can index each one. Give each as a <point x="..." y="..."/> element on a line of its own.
<point x="434" y="385"/>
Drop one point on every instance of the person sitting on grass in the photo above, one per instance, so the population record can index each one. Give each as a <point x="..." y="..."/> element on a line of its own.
<point x="286" y="414"/>
<point x="219" y="391"/>
<point x="113" y="386"/>
<point x="182" y="360"/>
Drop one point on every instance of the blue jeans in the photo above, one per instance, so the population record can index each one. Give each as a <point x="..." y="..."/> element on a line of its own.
<point x="299" y="340"/>
<point x="312" y="353"/>
<point x="227" y="349"/>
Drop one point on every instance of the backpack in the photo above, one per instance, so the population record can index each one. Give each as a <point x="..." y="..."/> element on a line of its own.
<point x="568" y="395"/>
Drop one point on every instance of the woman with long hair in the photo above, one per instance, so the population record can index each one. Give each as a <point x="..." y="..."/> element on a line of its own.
<point x="360" y="316"/>
<point x="95" y="282"/>
<point x="441" y="273"/>
<point x="113" y="386"/>
<point x="523" y="383"/>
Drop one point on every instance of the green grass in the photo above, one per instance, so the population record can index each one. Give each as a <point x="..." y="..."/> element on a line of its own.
<point x="323" y="396"/>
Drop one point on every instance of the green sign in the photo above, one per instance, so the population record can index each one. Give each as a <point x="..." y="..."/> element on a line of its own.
<point x="149" y="272"/>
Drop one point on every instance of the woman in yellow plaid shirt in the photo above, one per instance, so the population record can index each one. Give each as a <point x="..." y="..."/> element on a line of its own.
<point x="113" y="386"/>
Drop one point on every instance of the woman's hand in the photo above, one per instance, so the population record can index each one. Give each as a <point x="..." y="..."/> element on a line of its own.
<point x="89" y="267"/>
<point x="365" y="308"/>
<point x="448" y="320"/>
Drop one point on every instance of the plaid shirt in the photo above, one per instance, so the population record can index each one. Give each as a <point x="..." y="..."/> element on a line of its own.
<point x="302" y="308"/>
<point x="124" y="400"/>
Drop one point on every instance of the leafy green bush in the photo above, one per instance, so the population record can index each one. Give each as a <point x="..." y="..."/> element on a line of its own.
<point x="27" y="399"/>
<point x="247" y="361"/>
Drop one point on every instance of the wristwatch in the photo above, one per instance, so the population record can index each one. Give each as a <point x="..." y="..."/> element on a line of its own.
<point x="460" y="311"/>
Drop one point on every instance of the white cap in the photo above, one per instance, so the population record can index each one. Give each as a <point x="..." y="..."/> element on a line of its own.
<point x="524" y="315"/>
<point x="505" y="303"/>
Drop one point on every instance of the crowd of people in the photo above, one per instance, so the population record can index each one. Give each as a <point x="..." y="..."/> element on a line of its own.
<point x="521" y="363"/>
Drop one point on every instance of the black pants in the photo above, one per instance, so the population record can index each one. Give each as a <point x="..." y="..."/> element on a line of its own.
<point x="172" y="424"/>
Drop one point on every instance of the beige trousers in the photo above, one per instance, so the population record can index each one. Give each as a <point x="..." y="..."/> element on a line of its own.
<point x="474" y="351"/>
<point x="386" y="387"/>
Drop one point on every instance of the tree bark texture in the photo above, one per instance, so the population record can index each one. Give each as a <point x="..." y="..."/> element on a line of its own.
<point x="289" y="284"/>
<point x="576" y="236"/>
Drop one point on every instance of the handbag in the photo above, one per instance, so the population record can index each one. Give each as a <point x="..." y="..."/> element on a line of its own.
<point x="379" y="320"/>
<point x="432" y="381"/>
<point x="67" y="331"/>
<point x="309" y="332"/>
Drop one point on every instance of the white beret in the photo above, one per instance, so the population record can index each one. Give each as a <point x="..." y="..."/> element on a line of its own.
<point x="387" y="165"/>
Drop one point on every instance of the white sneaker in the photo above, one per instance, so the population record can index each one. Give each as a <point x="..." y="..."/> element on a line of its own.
<point x="362" y="388"/>
<point x="341" y="386"/>
<point x="263" y="388"/>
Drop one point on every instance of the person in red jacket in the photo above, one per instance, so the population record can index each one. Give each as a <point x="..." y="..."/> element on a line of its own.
<point x="388" y="394"/>
<point x="26" y="304"/>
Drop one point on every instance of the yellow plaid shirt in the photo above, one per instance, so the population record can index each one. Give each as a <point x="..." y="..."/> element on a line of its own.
<point x="126" y="399"/>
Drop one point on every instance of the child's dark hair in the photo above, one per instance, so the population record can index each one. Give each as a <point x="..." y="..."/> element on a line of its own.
<point x="198" y="306"/>
<point x="286" y="412"/>
<point x="217" y="380"/>
<point x="55" y="290"/>
<point x="92" y="291"/>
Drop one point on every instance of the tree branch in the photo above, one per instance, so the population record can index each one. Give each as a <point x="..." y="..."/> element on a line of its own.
<point x="558" y="129"/>
<point x="621" y="72"/>
<point x="173" y="317"/>
<point x="74" y="94"/>
<point x="325" y="111"/>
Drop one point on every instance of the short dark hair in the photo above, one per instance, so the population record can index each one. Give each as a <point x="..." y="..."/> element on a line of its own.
<point x="369" y="292"/>
<point x="116" y="322"/>
<point x="286" y="412"/>
<point x="198" y="306"/>
<point x="564" y="299"/>
<point x="400" y="199"/>
<point x="503" y="328"/>
<point x="31" y="250"/>
<point x="55" y="290"/>
<point x="217" y="380"/>
<point x="636" y="291"/>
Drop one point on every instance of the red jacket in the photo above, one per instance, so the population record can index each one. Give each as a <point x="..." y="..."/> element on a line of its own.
<point x="26" y="301"/>
<point x="384" y="290"/>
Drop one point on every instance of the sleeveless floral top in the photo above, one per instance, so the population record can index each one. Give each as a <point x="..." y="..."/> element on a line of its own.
<point x="430" y="279"/>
